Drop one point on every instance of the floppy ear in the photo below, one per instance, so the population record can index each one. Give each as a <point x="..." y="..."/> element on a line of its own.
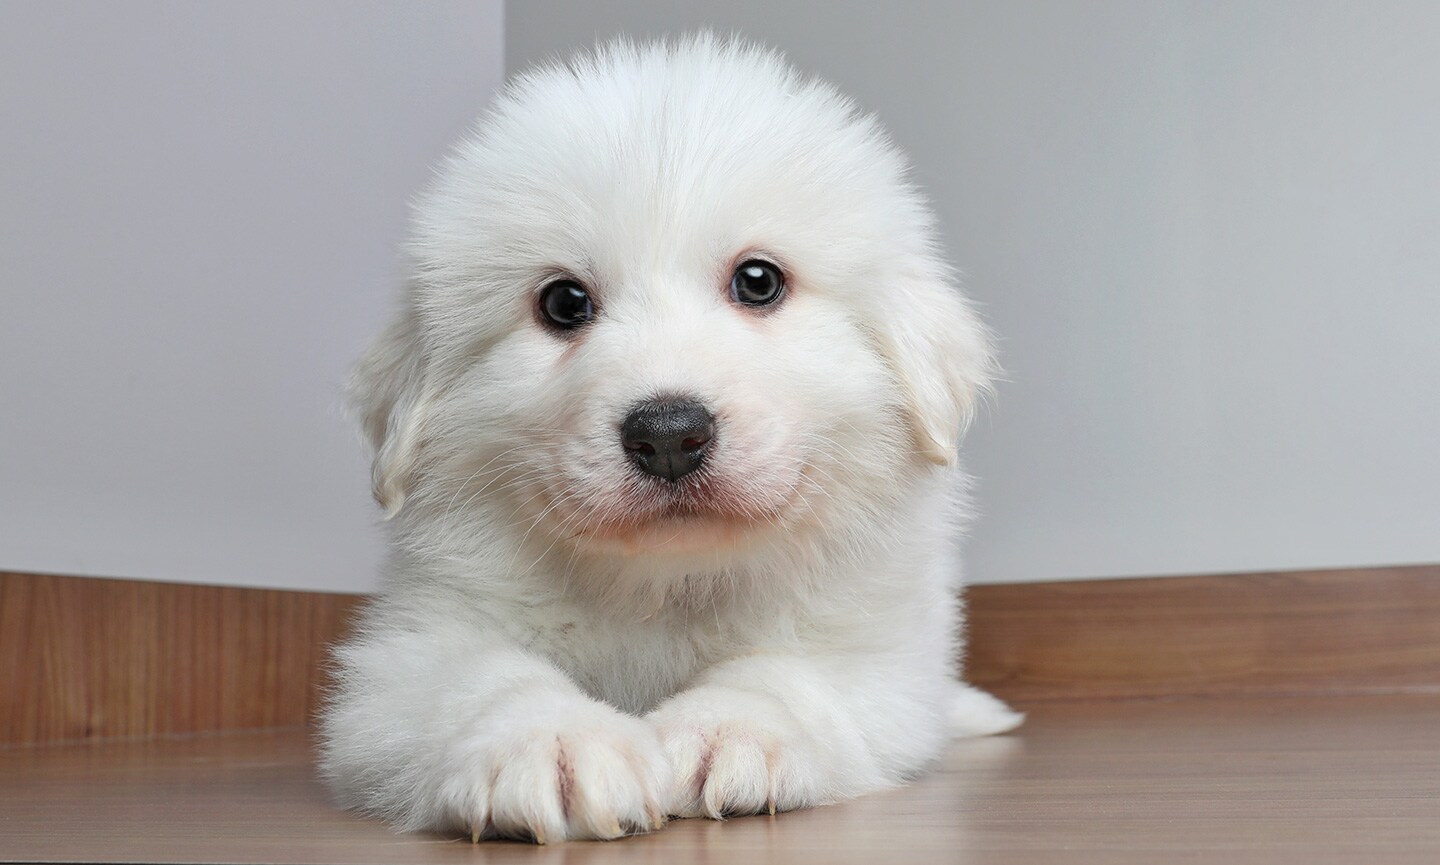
<point x="390" y="388"/>
<point x="940" y="354"/>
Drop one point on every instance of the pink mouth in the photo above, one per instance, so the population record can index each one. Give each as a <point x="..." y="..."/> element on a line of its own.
<point x="702" y="513"/>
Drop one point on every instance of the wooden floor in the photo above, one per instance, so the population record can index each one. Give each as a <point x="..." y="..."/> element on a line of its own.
<point x="1278" y="780"/>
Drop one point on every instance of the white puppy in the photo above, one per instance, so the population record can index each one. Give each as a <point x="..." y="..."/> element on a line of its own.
<point x="667" y="430"/>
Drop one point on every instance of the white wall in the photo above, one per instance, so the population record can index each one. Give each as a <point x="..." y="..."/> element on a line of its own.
<point x="200" y="207"/>
<point x="1209" y="234"/>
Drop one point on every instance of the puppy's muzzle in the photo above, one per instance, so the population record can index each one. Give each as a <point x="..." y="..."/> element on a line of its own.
<point x="668" y="438"/>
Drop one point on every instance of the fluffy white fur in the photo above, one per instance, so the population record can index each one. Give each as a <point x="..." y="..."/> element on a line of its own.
<point x="565" y="648"/>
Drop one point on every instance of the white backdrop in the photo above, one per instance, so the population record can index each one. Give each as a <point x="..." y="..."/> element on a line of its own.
<point x="200" y="211"/>
<point x="1205" y="231"/>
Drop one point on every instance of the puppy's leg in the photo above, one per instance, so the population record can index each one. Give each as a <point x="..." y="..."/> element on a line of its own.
<point x="776" y="732"/>
<point x="443" y="729"/>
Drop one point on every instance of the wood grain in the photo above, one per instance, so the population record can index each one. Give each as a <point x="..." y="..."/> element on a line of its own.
<point x="1308" y="781"/>
<point x="89" y="658"/>
<point x="1356" y="631"/>
<point x="86" y="658"/>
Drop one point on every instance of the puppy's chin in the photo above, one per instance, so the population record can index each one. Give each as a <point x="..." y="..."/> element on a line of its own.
<point x="669" y="535"/>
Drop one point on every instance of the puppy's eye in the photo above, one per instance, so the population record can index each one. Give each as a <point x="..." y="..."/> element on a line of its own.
<point x="565" y="304"/>
<point x="757" y="283"/>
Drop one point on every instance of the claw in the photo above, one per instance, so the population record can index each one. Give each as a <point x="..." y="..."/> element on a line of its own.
<point x="770" y="803"/>
<point x="539" y="836"/>
<point x="656" y="819"/>
<point x="474" y="835"/>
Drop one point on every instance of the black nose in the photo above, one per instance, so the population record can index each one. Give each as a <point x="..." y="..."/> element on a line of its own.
<point x="669" y="438"/>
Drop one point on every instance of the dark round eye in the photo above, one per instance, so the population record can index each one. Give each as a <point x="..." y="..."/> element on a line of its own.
<point x="565" y="304"/>
<point x="757" y="283"/>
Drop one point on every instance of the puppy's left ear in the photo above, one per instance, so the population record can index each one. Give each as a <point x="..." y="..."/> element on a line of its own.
<point x="940" y="354"/>
<point x="391" y="388"/>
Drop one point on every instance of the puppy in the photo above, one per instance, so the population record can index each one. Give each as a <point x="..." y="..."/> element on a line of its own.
<point x="667" y="433"/>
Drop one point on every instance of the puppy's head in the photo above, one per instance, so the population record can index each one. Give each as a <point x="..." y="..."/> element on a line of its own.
<point x="670" y="298"/>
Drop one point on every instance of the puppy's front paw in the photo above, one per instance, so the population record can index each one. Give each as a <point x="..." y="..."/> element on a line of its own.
<point x="734" y="752"/>
<point x="575" y="769"/>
